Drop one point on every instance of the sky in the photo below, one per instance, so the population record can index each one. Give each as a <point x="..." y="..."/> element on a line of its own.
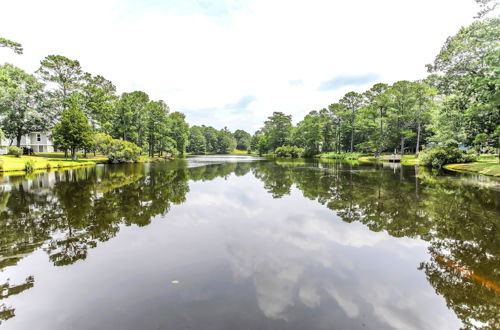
<point x="232" y="63"/>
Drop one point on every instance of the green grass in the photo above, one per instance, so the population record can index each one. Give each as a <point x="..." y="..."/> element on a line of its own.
<point x="239" y="152"/>
<point x="11" y="163"/>
<point x="485" y="165"/>
<point x="410" y="160"/>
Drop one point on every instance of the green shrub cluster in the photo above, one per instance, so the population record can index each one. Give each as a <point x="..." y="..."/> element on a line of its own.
<point x="14" y="151"/>
<point x="29" y="165"/>
<point x="123" y="152"/>
<point x="344" y="155"/>
<point x="438" y="156"/>
<point x="289" y="152"/>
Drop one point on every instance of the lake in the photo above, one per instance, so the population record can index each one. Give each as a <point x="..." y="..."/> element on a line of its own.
<point x="227" y="242"/>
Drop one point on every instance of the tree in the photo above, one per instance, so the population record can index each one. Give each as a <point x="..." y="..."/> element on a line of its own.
<point x="73" y="132"/>
<point x="309" y="133"/>
<point x="423" y="101"/>
<point x="278" y="130"/>
<point x="226" y="142"/>
<point x="400" y="112"/>
<point x="128" y="122"/>
<point x="22" y="103"/>
<point x="211" y="138"/>
<point x="66" y="74"/>
<point x="179" y="131"/>
<point x="197" y="142"/>
<point x="156" y="124"/>
<point x="15" y="46"/>
<point x="377" y="104"/>
<point x="468" y="69"/>
<point x="352" y="101"/>
<point x="99" y="101"/>
<point x="243" y="139"/>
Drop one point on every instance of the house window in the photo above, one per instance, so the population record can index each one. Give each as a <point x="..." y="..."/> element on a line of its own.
<point x="39" y="137"/>
<point x="40" y="148"/>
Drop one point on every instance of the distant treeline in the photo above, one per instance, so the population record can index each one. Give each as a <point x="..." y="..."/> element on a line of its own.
<point x="457" y="104"/>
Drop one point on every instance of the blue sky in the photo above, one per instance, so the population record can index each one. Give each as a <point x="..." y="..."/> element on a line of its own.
<point x="233" y="62"/>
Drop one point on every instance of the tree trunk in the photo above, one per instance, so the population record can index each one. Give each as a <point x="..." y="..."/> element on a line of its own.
<point x="65" y="153"/>
<point x="417" y="149"/>
<point x="352" y="138"/>
<point x="73" y="153"/>
<point x="402" y="145"/>
<point x="18" y="141"/>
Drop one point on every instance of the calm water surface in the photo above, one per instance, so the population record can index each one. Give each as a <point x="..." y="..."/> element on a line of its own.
<point x="239" y="243"/>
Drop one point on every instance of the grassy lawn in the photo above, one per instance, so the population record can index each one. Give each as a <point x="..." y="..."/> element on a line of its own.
<point x="11" y="163"/>
<point x="486" y="165"/>
<point x="239" y="152"/>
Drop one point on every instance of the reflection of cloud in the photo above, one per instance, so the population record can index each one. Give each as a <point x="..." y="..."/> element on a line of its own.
<point x="310" y="262"/>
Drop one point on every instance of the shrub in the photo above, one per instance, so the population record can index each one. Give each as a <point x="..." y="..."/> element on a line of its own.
<point x="123" y="152"/>
<point x="344" y="155"/>
<point x="14" y="151"/>
<point x="29" y="165"/>
<point x="439" y="156"/>
<point x="289" y="152"/>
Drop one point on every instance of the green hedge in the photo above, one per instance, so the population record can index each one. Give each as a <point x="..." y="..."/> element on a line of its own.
<point x="123" y="152"/>
<point x="14" y="151"/>
<point x="439" y="156"/>
<point x="289" y="152"/>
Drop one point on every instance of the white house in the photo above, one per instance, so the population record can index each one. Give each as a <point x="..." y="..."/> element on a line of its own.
<point x="37" y="141"/>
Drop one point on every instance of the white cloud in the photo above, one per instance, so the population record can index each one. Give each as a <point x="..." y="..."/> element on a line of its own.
<point x="205" y="55"/>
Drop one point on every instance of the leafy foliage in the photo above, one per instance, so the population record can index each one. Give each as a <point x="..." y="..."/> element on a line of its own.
<point x="289" y="152"/>
<point x="14" y="151"/>
<point x="438" y="156"/>
<point x="73" y="132"/>
<point x="123" y="152"/>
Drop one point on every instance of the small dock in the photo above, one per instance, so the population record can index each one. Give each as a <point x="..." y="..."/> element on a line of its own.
<point x="392" y="158"/>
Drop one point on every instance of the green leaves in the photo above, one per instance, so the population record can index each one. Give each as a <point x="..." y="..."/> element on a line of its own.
<point x="15" y="46"/>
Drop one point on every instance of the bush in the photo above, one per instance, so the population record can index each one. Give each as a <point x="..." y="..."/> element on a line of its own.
<point x="344" y="155"/>
<point x="14" y="151"/>
<point x="123" y="152"/>
<point x="289" y="152"/>
<point x="29" y="165"/>
<point x="439" y="156"/>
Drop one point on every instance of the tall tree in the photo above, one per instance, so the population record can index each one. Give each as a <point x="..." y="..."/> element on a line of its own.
<point x="423" y="101"/>
<point x="468" y="68"/>
<point x="99" y="101"/>
<point x="22" y="103"/>
<point x="73" y="132"/>
<point x="128" y="122"/>
<point x="278" y="129"/>
<point x="156" y="113"/>
<point x="353" y="102"/>
<point x="197" y="142"/>
<point x="179" y="131"/>
<point x="67" y="74"/>
<point x="226" y="141"/>
<point x="400" y="112"/>
<point x="243" y="139"/>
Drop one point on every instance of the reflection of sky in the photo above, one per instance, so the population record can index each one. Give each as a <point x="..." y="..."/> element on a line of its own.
<point x="244" y="260"/>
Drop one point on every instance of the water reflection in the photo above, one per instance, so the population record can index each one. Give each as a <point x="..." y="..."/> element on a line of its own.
<point x="306" y="268"/>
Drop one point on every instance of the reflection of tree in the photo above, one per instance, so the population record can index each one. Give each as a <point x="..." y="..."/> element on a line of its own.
<point x="68" y="213"/>
<point x="461" y="222"/>
<point x="7" y="290"/>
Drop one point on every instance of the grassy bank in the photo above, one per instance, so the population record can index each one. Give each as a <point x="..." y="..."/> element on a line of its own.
<point x="12" y="163"/>
<point x="485" y="165"/>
